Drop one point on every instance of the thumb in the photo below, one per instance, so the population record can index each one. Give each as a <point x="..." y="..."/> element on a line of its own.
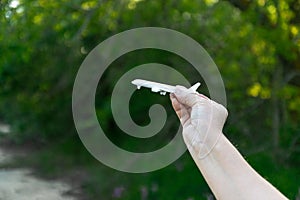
<point x="187" y="97"/>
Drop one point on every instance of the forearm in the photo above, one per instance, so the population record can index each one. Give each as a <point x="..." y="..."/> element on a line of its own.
<point x="229" y="176"/>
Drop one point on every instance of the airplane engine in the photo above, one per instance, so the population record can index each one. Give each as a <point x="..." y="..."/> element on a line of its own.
<point x="155" y="89"/>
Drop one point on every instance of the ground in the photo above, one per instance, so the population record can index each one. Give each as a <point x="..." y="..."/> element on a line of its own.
<point x="18" y="183"/>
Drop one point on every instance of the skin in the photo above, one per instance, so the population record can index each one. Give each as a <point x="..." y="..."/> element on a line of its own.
<point x="225" y="170"/>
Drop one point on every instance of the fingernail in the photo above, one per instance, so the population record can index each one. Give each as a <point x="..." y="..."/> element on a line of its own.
<point x="172" y="97"/>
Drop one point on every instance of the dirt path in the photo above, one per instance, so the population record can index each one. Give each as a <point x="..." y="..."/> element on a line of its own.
<point x="20" y="184"/>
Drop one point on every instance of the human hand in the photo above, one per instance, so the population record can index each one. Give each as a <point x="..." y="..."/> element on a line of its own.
<point x="202" y="120"/>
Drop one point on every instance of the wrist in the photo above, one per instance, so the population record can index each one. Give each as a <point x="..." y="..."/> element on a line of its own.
<point x="213" y="140"/>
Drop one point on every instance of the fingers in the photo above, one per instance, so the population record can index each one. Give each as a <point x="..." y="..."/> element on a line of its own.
<point x="181" y="111"/>
<point x="175" y="104"/>
<point x="186" y="97"/>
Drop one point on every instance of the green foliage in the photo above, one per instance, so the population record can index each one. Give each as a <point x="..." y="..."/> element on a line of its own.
<point x="256" y="45"/>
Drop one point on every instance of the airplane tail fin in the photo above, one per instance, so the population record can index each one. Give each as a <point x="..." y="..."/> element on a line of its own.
<point x="195" y="87"/>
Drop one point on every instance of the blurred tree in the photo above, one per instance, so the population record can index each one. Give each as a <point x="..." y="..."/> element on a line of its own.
<point x="256" y="45"/>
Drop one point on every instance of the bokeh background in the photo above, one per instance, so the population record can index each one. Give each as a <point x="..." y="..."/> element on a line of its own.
<point x="255" y="44"/>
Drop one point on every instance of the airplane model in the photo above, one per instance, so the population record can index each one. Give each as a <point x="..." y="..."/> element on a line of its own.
<point x="160" y="87"/>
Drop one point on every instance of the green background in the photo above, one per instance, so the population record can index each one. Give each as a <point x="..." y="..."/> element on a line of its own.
<point x="255" y="44"/>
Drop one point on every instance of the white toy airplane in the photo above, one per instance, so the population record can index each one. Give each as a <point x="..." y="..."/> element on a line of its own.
<point x="160" y="87"/>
